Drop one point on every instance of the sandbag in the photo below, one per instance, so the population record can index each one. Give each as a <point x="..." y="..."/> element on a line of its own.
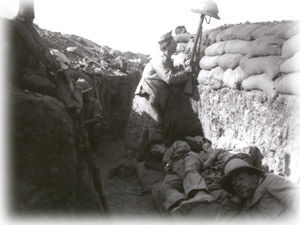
<point x="217" y="73"/>
<point x="291" y="46"/>
<point x="183" y="38"/>
<point x="229" y="79"/>
<point x="238" y="47"/>
<point x="286" y="30"/>
<point x="208" y="62"/>
<point x="228" y="34"/>
<point x="243" y="33"/>
<point x="229" y="61"/>
<point x="217" y="48"/>
<point x="260" y="82"/>
<point x="288" y="84"/>
<point x="264" y="46"/>
<point x="240" y="74"/>
<point x="233" y="78"/>
<point x="263" y="30"/>
<point x="211" y="35"/>
<point x="291" y="65"/>
<point x="204" y="77"/>
<point x="283" y="30"/>
<point x="258" y="65"/>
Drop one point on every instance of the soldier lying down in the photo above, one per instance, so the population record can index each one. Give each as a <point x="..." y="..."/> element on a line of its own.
<point x="192" y="178"/>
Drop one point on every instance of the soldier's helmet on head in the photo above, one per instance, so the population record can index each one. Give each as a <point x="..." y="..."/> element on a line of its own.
<point x="83" y="85"/>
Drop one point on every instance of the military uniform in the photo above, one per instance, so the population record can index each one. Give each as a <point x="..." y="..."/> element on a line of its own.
<point x="186" y="172"/>
<point x="31" y="59"/>
<point x="93" y="110"/>
<point x="274" y="197"/>
<point x="157" y="77"/>
<point x="182" y="176"/>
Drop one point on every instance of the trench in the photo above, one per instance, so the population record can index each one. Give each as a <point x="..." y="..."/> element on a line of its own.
<point x="50" y="175"/>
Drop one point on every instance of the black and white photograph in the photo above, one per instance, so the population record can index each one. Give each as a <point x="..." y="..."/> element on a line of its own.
<point x="158" y="112"/>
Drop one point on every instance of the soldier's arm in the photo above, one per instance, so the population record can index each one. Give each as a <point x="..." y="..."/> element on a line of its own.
<point x="166" y="72"/>
<point x="282" y="189"/>
<point x="97" y="113"/>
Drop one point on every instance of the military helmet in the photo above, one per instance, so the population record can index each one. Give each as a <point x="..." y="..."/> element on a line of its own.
<point x="209" y="8"/>
<point x="83" y="85"/>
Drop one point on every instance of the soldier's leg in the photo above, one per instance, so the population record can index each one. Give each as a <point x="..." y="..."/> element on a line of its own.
<point x="168" y="193"/>
<point x="193" y="182"/>
<point x="153" y="110"/>
<point x="96" y="135"/>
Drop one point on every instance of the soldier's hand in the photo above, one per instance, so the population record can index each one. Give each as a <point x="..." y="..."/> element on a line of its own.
<point x="188" y="69"/>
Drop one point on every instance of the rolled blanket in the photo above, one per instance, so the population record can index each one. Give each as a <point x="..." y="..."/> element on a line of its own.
<point x="259" y="65"/>
<point x="260" y="82"/>
<point x="291" y="46"/>
<point x="264" y="46"/>
<point x="291" y="65"/>
<point x="229" y="61"/>
<point x="208" y="62"/>
<point x="217" y="48"/>
<point x="288" y="84"/>
<point x="238" y="47"/>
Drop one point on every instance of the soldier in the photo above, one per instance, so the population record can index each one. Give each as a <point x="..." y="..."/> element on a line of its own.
<point x="263" y="195"/>
<point x="91" y="114"/>
<point x="190" y="178"/>
<point x="33" y="68"/>
<point x="159" y="74"/>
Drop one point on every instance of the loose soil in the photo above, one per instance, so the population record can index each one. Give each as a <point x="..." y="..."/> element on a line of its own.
<point x="123" y="195"/>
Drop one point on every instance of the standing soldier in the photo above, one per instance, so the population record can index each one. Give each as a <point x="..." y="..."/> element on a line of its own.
<point x="33" y="67"/>
<point x="159" y="74"/>
<point x="91" y="114"/>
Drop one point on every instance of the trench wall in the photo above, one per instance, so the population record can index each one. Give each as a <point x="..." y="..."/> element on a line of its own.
<point x="240" y="108"/>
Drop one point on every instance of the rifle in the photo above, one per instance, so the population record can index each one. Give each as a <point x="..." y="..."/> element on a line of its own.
<point x="84" y="147"/>
<point x="195" y="57"/>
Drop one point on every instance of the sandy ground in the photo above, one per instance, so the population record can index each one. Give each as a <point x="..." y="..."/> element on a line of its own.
<point x="122" y="194"/>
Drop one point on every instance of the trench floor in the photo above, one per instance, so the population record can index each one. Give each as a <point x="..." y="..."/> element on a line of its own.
<point x="122" y="194"/>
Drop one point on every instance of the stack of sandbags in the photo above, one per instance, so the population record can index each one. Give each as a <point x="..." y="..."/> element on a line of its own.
<point x="288" y="82"/>
<point x="256" y="53"/>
